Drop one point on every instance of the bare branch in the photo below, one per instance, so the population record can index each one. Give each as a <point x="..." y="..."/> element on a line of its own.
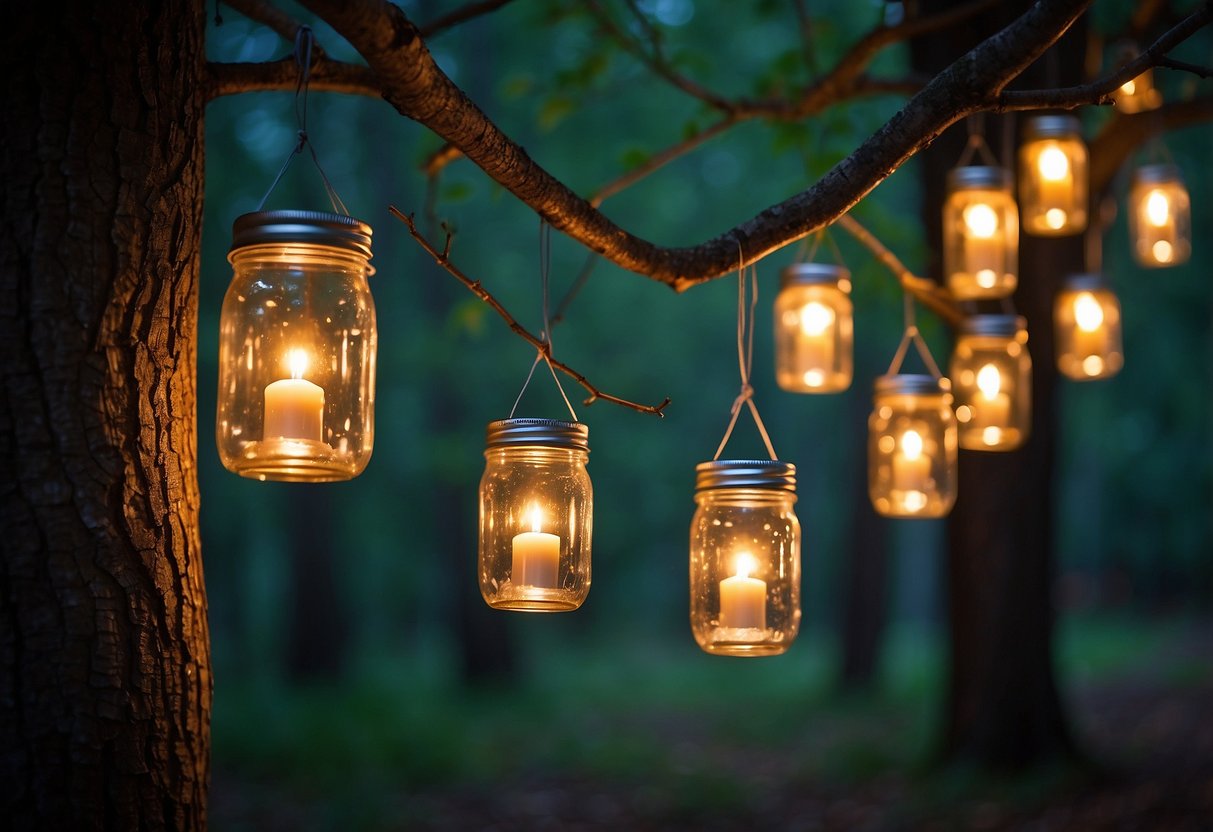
<point x="440" y="158"/>
<point x="1100" y="92"/>
<point x="268" y="15"/>
<point x="660" y="160"/>
<point x="442" y="258"/>
<point x="929" y="293"/>
<point x="460" y="15"/>
<point x="327" y="76"/>
<point x="1125" y="133"/>
<point x="1184" y="66"/>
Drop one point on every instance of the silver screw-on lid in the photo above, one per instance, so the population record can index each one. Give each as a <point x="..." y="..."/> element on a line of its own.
<point x="315" y="227"/>
<point x="1006" y="326"/>
<point x="1084" y="282"/>
<point x="1051" y="127"/>
<point x="905" y="384"/>
<point x="551" y="433"/>
<point x="974" y="177"/>
<point x="745" y="473"/>
<point x="1157" y="174"/>
<point x="804" y="274"/>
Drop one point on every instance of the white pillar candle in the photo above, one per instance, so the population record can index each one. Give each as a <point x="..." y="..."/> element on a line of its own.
<point x="984" y="245"/>
<point x="294" y="407"/>
<point x="911" y="468"/>
<point x="1056" y="185"/>
<point x="1090" y="335"/>
<point x="536" y="556"/>
<point x="993" y="407"/>
<point x="743" y="600"/>
<point x="815" y="346"/>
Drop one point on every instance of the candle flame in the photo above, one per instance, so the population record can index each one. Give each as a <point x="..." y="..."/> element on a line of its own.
<point x="744" y="564"/>
<point x="1088" y="314"/>
<point x="911" y="444"/>
<point x="815" y="318"/>
<point x="1128" y="87"/>
<point x="989" y="380"/>
<point x="297" y="361"/>
<point x="981" y="220"/>
<point x="1158" y="208"/>
<point x="536" y="517"/>
<point x="1053" y="164"/>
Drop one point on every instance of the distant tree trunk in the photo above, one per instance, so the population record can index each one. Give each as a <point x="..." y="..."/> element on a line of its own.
<point x="318" y="635"/>
<point x="1003" y="708"/>
<point x="105" y="681"/>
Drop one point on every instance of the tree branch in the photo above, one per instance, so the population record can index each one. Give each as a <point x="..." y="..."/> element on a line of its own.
<point x="660" y="160"/>
<point x="266" y="14"/>
<point x="442" y="258"/>
<point x="327" y="76"/>
<point x="414" y="84"/>
<point x="460" y="15"/>
<point x="1184" y="66"/>
<point x="1124" y="133"/>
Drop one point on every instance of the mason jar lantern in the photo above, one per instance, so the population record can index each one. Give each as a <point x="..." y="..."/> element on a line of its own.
<point x="745" y="558"/>
<point x="1138" y="94"/>
<point x="1087" y="318"/>
<point x="912" y="447"/>
<point x="297" y="348"/>
<point x="991" y="374"/>
<point x="1160" y="217"/>
<point x="980" y="233"/>
<point x="813" y="329"/>
<point x="536" y="515"/>
<point x="1053" y="177"/>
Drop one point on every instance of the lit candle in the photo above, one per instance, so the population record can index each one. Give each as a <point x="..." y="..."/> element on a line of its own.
<point x="984" y="245"/>
<point x="294" y="407"/>
<point x="1056" y="185"/>
<point x="536" y="555"/>
<point x="743" y="600"/>
<point x="1090" y="336"/>
<point x="910" y="468"/>
<point x="993" y="406"/>
<point x="816" y="344"/>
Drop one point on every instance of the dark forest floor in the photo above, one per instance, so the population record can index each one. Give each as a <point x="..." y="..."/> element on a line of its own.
<point x="1149" y="727"/>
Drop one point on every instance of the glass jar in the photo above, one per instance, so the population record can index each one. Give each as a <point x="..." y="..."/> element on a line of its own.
<point x="1160" y="217"/>
<point x="991" y="374"/>
<point x="297" y="344"/>
<point x="813" y="329"/>
<point x="1087" y="317"/>
<point x="980" y="233"/>
<point x="745" y="558"/>
<point x="1053" y="177"/>
<point x="912" y="447"/>
<point x="1138" y="94"/>
<point x="536" y="515"/>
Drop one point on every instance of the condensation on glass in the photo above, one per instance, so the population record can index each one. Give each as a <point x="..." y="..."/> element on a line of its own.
<point x="745" y="558"/>
<point x="1053" y="177"/>
<point x="813" y="329"/>
<point x="1086" y="314"/>
<point x="297" y="344"/>
<point x="536" y="515"/>
<point x="1160" y="217"/>
<point x="912" y="447"/>
<point x="980" y="233"/>
<point x="991" y="375"/>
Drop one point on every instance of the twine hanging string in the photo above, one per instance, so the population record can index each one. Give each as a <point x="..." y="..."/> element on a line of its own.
<point x="807" y="251"/>
<point x="976" y="145"/>
<point x="304" y="43"/>
<point x="912" y="334"/>
<point x="745" y="355"/>
<point x="545" y="335"/>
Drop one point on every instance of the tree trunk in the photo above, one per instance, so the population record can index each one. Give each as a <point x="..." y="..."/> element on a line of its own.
<point x="105" y="678"/>
<point x="1003" y="708"/>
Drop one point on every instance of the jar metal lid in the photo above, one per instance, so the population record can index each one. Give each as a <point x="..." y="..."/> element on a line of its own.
<point x="549" y="433"/>
<point x="1084" y="282"/>
<point x="746" y="473"/>
<point x="912" y="384"/>
<point x="996" y="325"/>
<point x="978" y="176"/>
<point x="314" y="227"/>
<point x="1052" y="127"/>
<point x="804" y="274"/>
<point x="1160" y="174"/>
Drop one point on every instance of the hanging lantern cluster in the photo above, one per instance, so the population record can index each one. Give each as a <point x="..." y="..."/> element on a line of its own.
<point x="813" y="329"/>
<point x="1053" y="176"/>
<point x="980" y="233"/>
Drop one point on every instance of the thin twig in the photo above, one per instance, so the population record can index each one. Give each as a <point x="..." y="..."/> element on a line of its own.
<point x="583" y="276"/>
<point x="805" y="21"/>
<point x="440" y="158"/>
<point x="932" y="296"/>
<point x="460" y="15"/>
<point x="268" y="15"/>
<point x="326" y="76"/>
<point x="442" y="258"/>
<point x="1184" y="66"/>
<point x="659" y="160"/>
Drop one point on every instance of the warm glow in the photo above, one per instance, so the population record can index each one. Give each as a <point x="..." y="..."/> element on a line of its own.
<point x="816" y="318"/>
<point x="1053" y="164"/>
<point x="1162" y="251"/>
<point x="989" y="380"/>
<point x="1128" y="87"/>
<point x="911" y="444"/>
<point x="1092" y="365"/>
<point x="915" y="501"/>
<point x="981" y="220"/>
<point x="745" y="564"/>
<point x="1055" y="218"/>
<point x="297" y="361"/>
<point x="536" y="517"/>
<point x="1158" y="208"/>
<point x="1088" y="314"/>
<point x="814" y="378"/>
<point x="986" y="278"/>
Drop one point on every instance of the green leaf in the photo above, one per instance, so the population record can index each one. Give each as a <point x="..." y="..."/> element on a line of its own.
<point x="554" y="111"/>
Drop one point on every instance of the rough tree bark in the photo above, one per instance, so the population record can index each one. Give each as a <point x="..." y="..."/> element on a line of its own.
<point x="105" y="681"/>
<point x="1003" y="708"/>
